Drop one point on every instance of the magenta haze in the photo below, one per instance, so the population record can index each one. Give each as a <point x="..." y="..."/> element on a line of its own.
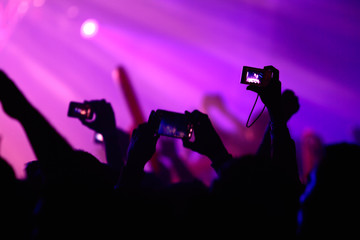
<point x="176" y="52"/>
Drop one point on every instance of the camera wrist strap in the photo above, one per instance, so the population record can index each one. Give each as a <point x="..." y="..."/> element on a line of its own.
<point x="247" y="123"/>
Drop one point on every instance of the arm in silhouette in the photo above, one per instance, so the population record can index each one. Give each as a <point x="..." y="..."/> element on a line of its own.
<point x="116" y="141"/>
<point x="290" y="105"/>
<point x="282" y="148"/>
<point x="142" y="147"/>
<point x="207" y="142"/>
<point x="46" y="142"/>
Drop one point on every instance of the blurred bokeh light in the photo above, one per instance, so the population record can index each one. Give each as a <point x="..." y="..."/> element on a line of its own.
<point x="89" y="28"/>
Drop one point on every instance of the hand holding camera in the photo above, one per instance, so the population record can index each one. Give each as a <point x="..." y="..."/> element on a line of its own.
<point x="98" y="115"/>
<point x="142" y="145"/>
<point x="267" y="86"/>
<point x="206" y="140"/>
<point x="195" y="130"/>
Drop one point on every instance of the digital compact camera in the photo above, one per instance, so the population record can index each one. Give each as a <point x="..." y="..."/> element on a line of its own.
<point x="256" y="76"/>
<point x="80" y="110"/>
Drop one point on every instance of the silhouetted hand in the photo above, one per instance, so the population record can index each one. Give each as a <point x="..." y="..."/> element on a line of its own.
<point x="207" y="141"/>
<point x="104" y="117"/>
<point x="290" y="104"/>
<point x="116" y="141"/>
<point x="142" y="145"/>
<point x="271" y="94"/>
<point x="13" y="101"/>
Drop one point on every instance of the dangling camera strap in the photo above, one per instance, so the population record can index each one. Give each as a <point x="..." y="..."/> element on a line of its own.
<point x="247" y="123"/>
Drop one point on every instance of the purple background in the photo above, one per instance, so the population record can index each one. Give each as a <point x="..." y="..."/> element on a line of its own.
<point x="176" y="52"/>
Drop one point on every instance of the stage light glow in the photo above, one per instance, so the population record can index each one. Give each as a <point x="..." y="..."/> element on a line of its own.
<point x="89" y="28"/>
<point x="38" y="3"/>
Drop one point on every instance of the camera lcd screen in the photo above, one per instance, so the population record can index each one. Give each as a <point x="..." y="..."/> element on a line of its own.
<point x="79" y="110"/>
<point x="254" y="77"/>
<point x="174" y="125"/>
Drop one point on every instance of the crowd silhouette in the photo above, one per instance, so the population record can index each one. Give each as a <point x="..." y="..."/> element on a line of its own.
<point x="69" y="194"/>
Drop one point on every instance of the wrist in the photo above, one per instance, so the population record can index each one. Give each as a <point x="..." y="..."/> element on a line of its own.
<point x="27" y="112"/>
<point x="276" y="114"/>
<point x="219" y="158"/>
<point x="107" y="129"/>
<point x="109" y="133"/>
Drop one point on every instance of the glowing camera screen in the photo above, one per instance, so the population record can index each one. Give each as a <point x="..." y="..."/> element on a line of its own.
<point x="80" y="110"/>
<point x="174" y="125"/>
<point x="254" y="77"/>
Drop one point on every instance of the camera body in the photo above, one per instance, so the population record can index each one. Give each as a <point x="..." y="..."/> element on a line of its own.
<point x="256" y="76"/>
<point x="172" y="124"/>
<point x="80" y="110"/>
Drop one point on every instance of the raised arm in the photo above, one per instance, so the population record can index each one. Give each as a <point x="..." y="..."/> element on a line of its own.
<point x="282" y="147"/>
<point x="207" y="141"/>
<point x="116" y="141"/>
<point x="46" y="142"/>
<point x="290" y="105"/>
<point x="142" y="147"/>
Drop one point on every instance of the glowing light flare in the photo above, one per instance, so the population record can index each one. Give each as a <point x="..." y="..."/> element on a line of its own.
<point x="89" y="28"/>
<point x="99" y="137"/>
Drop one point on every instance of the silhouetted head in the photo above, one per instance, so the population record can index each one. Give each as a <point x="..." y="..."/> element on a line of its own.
<point x="89" y="172"/>
<point x="331" y="197"/>
<point x="255" y="193"/>
<point x="76" y="198"/>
